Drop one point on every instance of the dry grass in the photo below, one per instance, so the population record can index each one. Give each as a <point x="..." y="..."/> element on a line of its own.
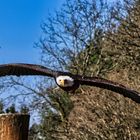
<point x="104" y="115"/>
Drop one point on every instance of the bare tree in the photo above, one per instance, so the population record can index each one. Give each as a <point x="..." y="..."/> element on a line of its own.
<point x="80" y="24"/>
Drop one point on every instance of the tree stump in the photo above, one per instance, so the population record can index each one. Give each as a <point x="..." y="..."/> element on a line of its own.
<point x="14" y="126"/>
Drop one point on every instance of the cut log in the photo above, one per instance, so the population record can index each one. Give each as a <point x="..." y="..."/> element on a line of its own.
<point x="14" y="126"/>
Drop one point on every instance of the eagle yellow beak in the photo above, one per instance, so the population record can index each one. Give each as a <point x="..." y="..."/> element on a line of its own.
<point x="62" y="83"/>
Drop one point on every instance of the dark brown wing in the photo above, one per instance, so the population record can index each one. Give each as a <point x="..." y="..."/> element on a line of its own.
<point x="21" y="69"/>
<point x="113" y="86"/>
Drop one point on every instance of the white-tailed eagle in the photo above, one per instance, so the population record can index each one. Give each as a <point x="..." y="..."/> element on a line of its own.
<point x="66" y="80"/>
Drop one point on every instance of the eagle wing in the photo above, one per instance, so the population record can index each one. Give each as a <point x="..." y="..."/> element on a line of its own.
<point x="21" y="69"/>
<point x="113" y="86"/>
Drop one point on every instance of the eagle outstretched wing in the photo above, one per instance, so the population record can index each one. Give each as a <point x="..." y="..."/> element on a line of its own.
<point x="21" y="69"/>
<point x="113" y="86"/>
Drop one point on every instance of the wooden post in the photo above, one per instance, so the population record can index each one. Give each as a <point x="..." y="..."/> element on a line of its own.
<point x="14" y="126"/>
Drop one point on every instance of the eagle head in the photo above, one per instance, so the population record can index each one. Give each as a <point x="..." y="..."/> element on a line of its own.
<point x="64" y="81"/>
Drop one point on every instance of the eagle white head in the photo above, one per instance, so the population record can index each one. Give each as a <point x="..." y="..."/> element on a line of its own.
<point x="65" y="81"/>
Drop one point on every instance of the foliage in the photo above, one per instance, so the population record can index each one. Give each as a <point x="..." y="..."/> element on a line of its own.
<point x="24" y="109"/>
<point x="1" y="107"/>
<point x="125" y="40"/>
<point x="88" y="37"/>
<point x="93" y="38"/>
<point x="52" y="117"/>
<point x="12" y="109"/>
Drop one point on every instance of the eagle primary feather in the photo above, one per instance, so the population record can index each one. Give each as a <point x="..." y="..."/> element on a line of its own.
<point x="113" y="86"/>
<point x="31" y="69"/>
<point x="22" y="69"/>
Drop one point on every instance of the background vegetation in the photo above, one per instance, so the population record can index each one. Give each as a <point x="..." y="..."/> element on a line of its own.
<point x="94" y="38"/>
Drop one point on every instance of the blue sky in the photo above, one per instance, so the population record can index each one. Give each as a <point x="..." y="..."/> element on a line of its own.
<point x="20" y="28"/>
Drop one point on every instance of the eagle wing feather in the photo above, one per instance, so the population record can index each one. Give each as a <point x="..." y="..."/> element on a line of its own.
<point x="21" y="69"/>
<point x="113" y="86"/>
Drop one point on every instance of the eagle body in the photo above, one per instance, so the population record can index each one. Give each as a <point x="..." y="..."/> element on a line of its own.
<point x="67" y="81"/>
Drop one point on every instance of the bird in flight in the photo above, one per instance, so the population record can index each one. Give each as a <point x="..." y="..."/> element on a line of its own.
<point x="67" y="81"/>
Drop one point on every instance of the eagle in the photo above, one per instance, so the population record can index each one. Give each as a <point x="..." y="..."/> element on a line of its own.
<point x="66" y="80"/>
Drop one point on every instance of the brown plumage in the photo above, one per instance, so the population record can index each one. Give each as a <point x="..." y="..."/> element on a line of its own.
<point x="31" y="69"/>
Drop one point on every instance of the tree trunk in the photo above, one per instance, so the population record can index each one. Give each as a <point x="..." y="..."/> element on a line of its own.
<point x="14" y="126"/>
